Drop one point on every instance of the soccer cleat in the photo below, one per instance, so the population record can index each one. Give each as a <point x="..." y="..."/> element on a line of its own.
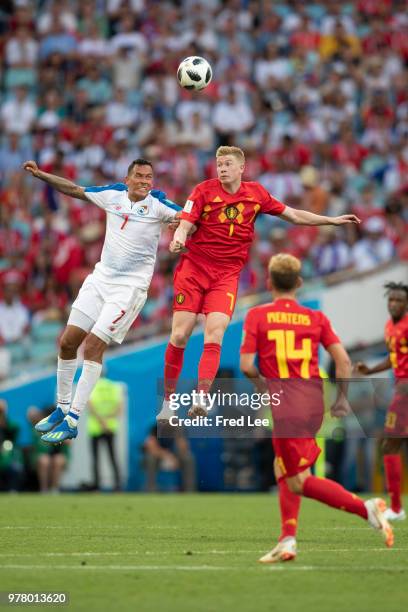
<point x="197" y="410"/>
<point x="60" y="433"/>
<point x="376" y="508"/>
<point x="165" y="413"/>
<point x="390" y="515"/>
<point x="285" y="550"/>
<point x="55" y="418"/>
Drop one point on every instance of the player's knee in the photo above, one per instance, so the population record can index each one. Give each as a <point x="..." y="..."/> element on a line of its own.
<point x="179" y="338"/>
<point x="94" y="348"/>
<point x="214" y="333"/>
<point x="43" y="461"/>
<point x="214" y="337"/>
<point x="390" y="446"/>
<point x="59" y="461"/>
<point x="295" y="485"/>
<point x="68" y="343"/>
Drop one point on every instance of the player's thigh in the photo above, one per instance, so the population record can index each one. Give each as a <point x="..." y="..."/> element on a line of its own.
<point x="221" y="296"/>
<point x="294" y="455"/>
<point x="122" y="306"/>
<point x="189" y="284"/>
<point x="89" y="302"/>
<point x="182" y="326"/>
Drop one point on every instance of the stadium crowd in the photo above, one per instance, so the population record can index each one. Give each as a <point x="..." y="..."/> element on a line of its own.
<point x="315" y="93"/>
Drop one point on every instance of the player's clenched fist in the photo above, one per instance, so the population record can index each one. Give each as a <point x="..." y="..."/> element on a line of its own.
<point x="31" y="166"/>
<point x="361" y="368"/>
<point x="176" y="247"/>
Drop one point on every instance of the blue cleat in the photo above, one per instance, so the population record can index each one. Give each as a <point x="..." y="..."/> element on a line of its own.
<point x="61" y="433"/>
<point x="55" y="418"/>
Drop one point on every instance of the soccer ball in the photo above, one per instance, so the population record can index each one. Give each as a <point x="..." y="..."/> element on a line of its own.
<point x="194" y="73"/>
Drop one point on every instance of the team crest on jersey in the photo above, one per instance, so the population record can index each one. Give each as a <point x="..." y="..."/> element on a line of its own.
<point x="142" y="210"/>
<point x="118" y="208"/>
<point x="180" y="297"/>
<point x="231" y="212"/>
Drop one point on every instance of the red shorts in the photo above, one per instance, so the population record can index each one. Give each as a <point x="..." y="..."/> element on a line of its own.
<point x="396" y="420"/>
<point x="201" y="288"/>
<point x="294" y="455"/>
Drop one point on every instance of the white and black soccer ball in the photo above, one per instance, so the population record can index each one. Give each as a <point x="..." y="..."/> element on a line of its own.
<point x="194" y="73"/>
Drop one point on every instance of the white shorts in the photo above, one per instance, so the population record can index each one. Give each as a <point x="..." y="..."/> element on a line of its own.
<point x="109" y="309"/>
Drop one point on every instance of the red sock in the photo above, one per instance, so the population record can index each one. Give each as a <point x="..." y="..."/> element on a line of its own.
<point x="173" y="364"/>
<point x="289" y="510"/>
<point x="393" y="474"/>
<point x="208" y="366"/>
<point x="334" y="495"/>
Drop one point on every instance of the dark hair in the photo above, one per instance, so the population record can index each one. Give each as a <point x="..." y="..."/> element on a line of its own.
<point x="392" y="286"/>
<point x="139" y="162"/>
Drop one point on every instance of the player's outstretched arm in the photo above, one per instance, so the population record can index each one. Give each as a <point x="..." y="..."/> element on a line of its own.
<point x="59" y="183"/>
<point x="304" y="217"/>
<point x="362" y="368"/>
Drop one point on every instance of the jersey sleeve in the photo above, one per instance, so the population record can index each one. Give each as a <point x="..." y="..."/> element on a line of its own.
<point x="105" y="195"/>
<point x="328" y="335"/>
<point x="249" y="343"/>
<point x="194" y="206"/>
<point x="269" y="204"/>
<point x="166" y="210"/>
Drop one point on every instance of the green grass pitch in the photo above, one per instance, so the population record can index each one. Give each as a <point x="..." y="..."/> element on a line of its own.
<point x="195" y="553"/>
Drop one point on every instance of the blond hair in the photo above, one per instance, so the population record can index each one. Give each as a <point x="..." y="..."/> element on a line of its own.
<point x="284" y="271"/>
<point x="234" y="151"/>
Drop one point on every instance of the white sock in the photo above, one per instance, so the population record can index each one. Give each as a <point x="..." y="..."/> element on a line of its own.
<point x="166" y="412"/>
<point x="91" y="371"/>
<point x="65" y="375"/>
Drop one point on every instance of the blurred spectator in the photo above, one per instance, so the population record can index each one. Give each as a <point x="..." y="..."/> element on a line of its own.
<point x="118" y="112"/>
<point x="331" y="254"/>
<point x="21" y="49"/>
<point x="375" y="248"/>
<point x="10" y="459"/>
<point x="57" y="11"/>
<point x="14" y="316"/>
<point x="105" y="409"/>
<point x="315" y="198"/>
<point x="18" y="113"/>
<point x="12" y="154"/>
<point x="169" y="455"/>
<point x="48" y="461"/>
<point x="232" y="116"/>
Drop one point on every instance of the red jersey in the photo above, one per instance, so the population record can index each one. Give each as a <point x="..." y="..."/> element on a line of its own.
<point x="396" y="338"/>
<point x="226" y="221"/>
<point x="286" y="337"/>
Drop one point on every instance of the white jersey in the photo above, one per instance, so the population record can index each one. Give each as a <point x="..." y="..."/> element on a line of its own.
<point x="132" y="234"/>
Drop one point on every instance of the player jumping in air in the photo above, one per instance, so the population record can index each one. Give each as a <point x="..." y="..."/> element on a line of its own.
<point x="113" y="295"/>
<point x="396" y="422"/>
<point x="285" y="337"/>
<point x="206" y="279"/>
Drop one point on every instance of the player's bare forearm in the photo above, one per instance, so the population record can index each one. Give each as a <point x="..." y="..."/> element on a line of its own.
<point x="177" y="245"/>
<point x="363" y="369"/>
<point x="249" y="369"/>
<point x="304" y="217"/>
<point x="343" y="370"/>
<point x="57" y="182"/>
